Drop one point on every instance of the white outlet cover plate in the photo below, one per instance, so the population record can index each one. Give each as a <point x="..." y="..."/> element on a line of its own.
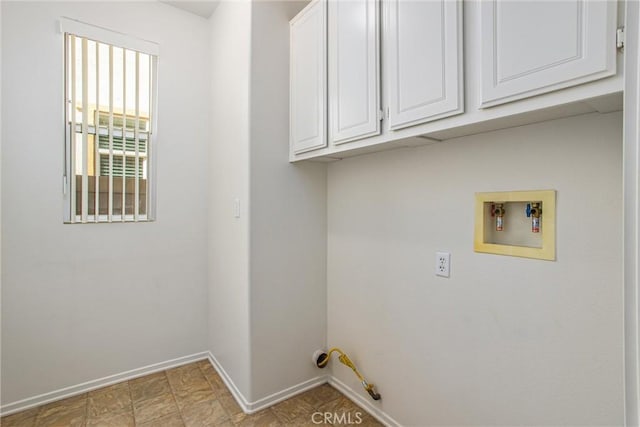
<point x="443" y="264"/>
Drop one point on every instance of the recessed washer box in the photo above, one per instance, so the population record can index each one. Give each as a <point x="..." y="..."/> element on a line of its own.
<point x="516" y="223"/>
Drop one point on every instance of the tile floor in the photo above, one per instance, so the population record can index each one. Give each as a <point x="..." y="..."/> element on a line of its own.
<point x="190" y="395"/>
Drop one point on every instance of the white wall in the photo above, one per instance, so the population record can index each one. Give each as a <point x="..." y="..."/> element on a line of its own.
<point x="1" y="136"/>
<point x="288" y="220"/>
<point x="228" y="163"/>
<point x="631" y="185"/>
<point x="505" y="340"/>
<point x="80" y="302"/>
<point x="267" y="269"/>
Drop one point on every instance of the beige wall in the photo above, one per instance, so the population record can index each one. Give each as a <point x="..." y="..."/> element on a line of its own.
<point x="505" y="340"/>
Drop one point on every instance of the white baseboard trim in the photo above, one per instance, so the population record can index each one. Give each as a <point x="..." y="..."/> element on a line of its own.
<point x="247" y="407"/>
<point x="235" y="392"/>
<point x="265" y="402"/>
<point x="365" y="404"/>
<point x="74" y="390"/>
<point x="288" y="393"/>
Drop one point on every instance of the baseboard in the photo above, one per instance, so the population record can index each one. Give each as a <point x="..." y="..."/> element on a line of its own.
<point x="365" y="404"/>
<point x="235" y="392"/>
<point x="247" y="407"/>
<point x="287" y="393"/>
<point x="265" y="402"/>
<point x="63" y="393"/>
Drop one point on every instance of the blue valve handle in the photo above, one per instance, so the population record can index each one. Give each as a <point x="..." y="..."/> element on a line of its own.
<point x="528" y="210"/>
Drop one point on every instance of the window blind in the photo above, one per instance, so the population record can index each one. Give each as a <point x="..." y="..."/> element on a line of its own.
<point x="109" y="120"/>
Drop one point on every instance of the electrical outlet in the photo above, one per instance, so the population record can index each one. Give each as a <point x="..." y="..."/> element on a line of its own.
<point x="443" y="263"/>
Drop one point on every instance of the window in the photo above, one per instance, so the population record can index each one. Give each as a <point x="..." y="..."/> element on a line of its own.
<point x="109" y="114"/>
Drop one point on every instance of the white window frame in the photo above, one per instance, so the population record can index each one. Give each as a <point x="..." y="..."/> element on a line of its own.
<point x="77" y="28"/>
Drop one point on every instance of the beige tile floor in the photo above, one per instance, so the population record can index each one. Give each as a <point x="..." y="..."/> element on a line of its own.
<point x="190" y="395"/>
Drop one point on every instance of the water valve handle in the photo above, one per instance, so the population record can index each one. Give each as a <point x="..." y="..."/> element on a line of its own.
<point x="499" y="213"/>
<point x="536" y="212"/>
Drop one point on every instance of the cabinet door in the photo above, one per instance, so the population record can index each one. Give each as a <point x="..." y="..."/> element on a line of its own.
<point x="354" y="96"/>
<point x="423" y="60"/>
<point x="533" y="47"/>
<point x="308" y="77"/>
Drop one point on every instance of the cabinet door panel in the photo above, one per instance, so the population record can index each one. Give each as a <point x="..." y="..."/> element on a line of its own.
<point x="354" y="100"/>
<point x="423" y="46"/>
<point x="308" y="76"/>
<point x="533" y="47"/>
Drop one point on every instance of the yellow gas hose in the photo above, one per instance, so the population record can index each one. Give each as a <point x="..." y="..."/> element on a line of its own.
<point x="344" y="359"/>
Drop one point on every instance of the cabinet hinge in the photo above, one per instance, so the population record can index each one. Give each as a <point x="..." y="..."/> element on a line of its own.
<point x="387" y="113"/>
<point x="620" y="38"/>
<point x="380" y="115"/>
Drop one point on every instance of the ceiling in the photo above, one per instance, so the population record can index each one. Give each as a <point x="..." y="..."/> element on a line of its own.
<point x="202" y="8"/>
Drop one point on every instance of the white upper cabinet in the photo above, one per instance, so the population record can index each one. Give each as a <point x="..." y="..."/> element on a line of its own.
<point x="423" y="60"/>
<point x="533" y="47"/>
<point x="354" y="82"/>
<point x="308" y="77"/>
<point x="367" y="75"/>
